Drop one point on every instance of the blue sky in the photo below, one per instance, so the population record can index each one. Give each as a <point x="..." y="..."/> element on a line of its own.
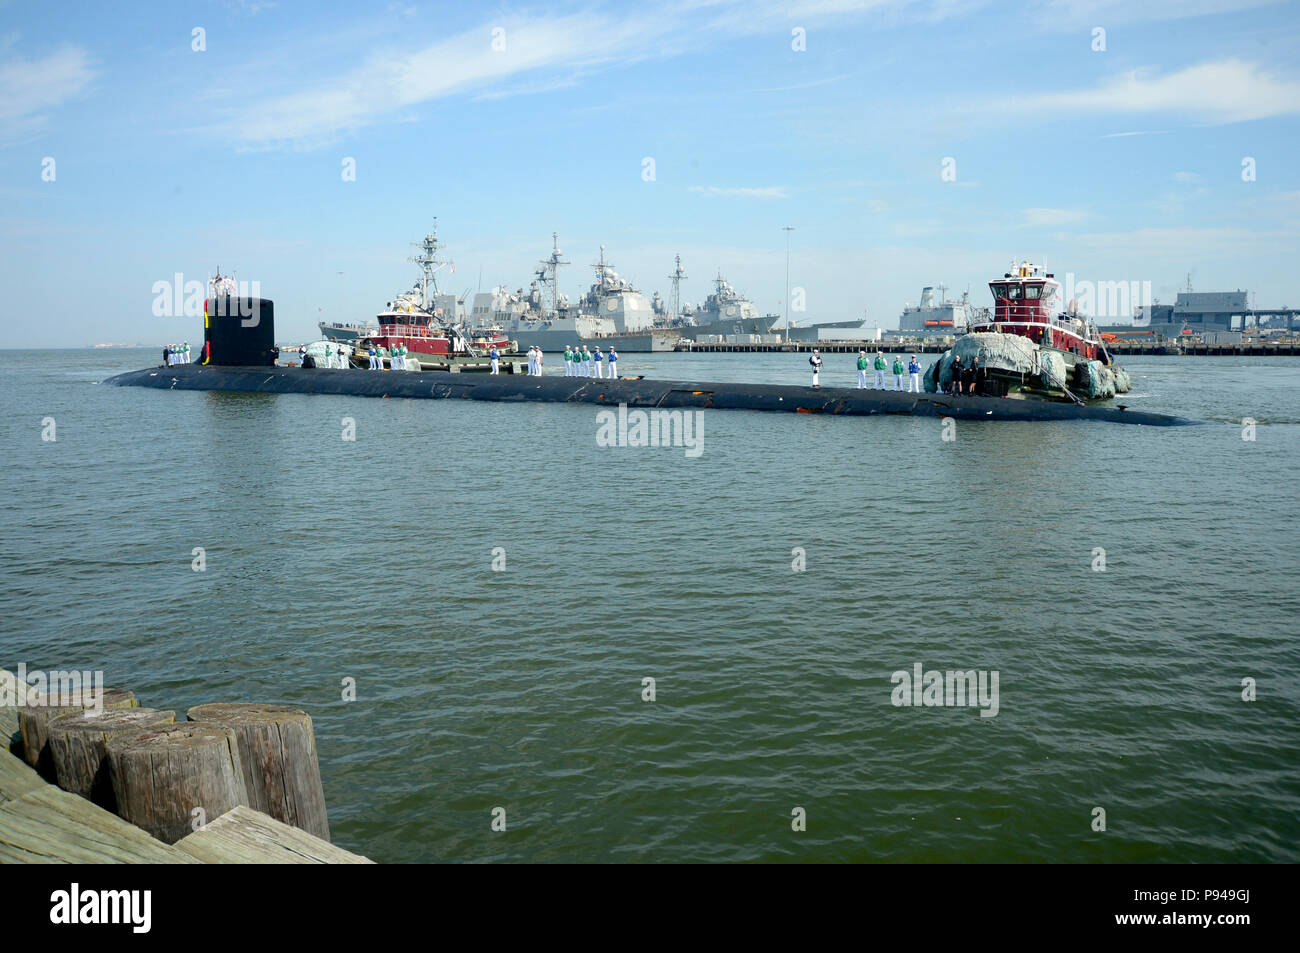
<point x="1122" y="164"/>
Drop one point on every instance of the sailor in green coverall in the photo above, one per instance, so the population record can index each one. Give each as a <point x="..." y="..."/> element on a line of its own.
<point x="568" y="361"/>
<point x="880" y="370"/>
<point x="898" y="372"/>
<point x="862" y="369"/>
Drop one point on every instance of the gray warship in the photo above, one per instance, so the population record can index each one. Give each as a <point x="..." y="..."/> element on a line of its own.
<point x="942" y="317"/>
<point x="725" y="311"/>
<point x="613" y="313"/>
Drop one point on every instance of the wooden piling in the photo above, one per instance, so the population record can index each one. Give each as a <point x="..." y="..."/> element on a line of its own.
<point x="34" y="719"/>
<point x="77" y="742"/>
<point x="161" y="775"/>
<point x="277" y="748"/>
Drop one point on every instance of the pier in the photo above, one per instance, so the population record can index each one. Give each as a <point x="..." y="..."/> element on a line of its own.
<point x="41" y="822"/>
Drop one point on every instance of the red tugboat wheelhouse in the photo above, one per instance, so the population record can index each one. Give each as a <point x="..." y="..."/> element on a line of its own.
<point x="1025" y="303"/>
<point x="425" y="321"/>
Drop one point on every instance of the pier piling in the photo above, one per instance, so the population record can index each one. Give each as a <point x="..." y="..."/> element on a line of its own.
<point x="77" y="743"/>
<point x="277" y="748"/>
<point x="35" y="717"/>
<point x="161" y="775"/>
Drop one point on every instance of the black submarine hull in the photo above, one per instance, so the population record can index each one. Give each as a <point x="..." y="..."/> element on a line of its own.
<point x="634" y="392"/>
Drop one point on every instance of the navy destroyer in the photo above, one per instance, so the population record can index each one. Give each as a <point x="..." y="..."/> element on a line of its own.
<point x="613" y="313"/>
<point x="726" y="311"/>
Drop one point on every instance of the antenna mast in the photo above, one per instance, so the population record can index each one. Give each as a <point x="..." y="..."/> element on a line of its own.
<point x="676" y="278"/>
<point x="552" y="266"/>
<point x="429" y="263"/>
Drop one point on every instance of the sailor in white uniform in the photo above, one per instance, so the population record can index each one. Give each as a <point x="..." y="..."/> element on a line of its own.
<point x="599" y="361"/>
<point x="613" y="359"/>
<point x="816" y="363"/>
<point x="496" y="360"/>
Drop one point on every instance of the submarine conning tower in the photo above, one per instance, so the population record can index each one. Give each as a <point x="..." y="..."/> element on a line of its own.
<point x="238" y="332"/>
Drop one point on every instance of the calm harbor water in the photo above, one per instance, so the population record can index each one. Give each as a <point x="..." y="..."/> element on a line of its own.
<point x="522" y="689"/>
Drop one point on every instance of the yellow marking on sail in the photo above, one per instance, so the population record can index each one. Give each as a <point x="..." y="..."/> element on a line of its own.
<point x="206" y="356"/>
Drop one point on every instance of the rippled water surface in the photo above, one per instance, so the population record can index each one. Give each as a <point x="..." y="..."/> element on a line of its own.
<point x="522" y="689"/>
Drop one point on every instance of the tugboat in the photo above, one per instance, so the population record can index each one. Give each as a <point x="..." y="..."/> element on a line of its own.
<point x="1026" y="348"/>
<point x="426" y="323"/>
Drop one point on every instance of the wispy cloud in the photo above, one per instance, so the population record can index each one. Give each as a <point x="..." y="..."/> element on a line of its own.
<point x="768" y="192"/>
<point x="1184" y="244"/>
<point x="1141" y="132"/>
<point x="538" y="52"/>
<point x="1226" y="91"/>
<point x="391" y="81"/>
<point x="1051" y="216"/>
<point x="794" y="86"/>
<point x="30" y="89"/>
<point x="1072" y="14"/>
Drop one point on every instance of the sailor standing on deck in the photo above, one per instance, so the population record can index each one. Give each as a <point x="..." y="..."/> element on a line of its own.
<point x="898" y="372"/>
<point x="496" y="359"/>
<point x="302" y="355"/>
<point x="956" y="375"/>
<point x="371" y="354"/>
<point x="862" y="369"/>
<point x="914" y="369"/>
<point x="816" y="362"/>
<point x="539" y="360"/>
<point x="586" y="360"/>
<point x="568" y="361"/>
<point x="600" y="363"/>
<point x="613" y="359"/>
<point x="880" y="370"/>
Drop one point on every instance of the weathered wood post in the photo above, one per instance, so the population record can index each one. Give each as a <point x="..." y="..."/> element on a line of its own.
<point x="277" y="748"/>
<point x="171" y="780"/>
<point x="77" y="740"/>
<point x="34" y="719"/>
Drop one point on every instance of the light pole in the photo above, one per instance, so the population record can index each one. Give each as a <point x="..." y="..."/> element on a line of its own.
<point x="787" y="229"/>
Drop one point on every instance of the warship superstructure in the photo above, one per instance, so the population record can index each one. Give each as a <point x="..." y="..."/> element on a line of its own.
<point x="940" y="317"/>
<point x="611" y="313"/>
<point x="726" y="311"/>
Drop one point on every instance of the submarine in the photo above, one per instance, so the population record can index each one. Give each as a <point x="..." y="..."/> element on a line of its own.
<point x="238" y="354"/>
